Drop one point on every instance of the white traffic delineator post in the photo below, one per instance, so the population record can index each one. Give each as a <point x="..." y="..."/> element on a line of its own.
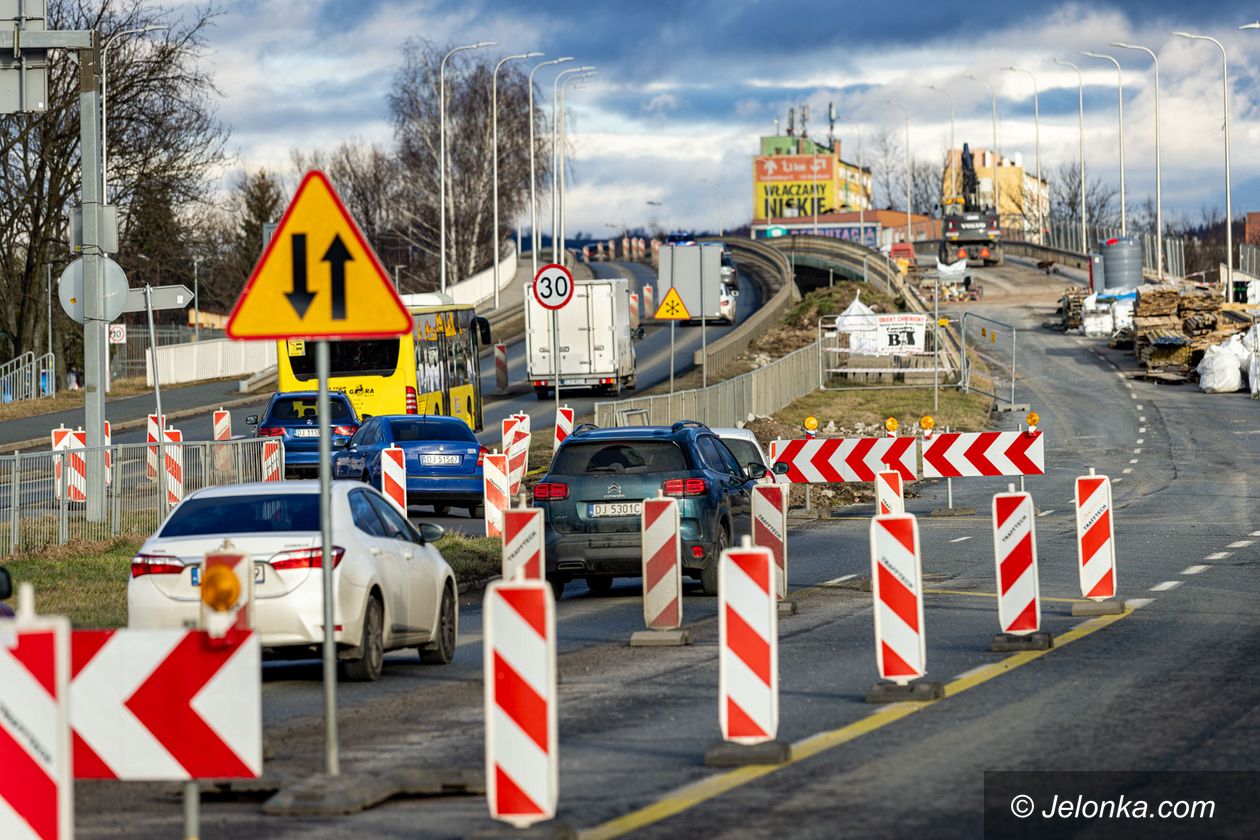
<point x="523" y="547"/>
<point x="649" y="296"/>
<point x="501" y="368"/>
<point x="634" y="310"/>
<point x="222" y="424"/>
<point x="516" y="441"/>
<point x="897" y="590"/>
<point x="394" y="477"/>
<point x="66" y="440"/>
<point x="272" y="468"/>
<point x="748" y="660"/>
<point x="522" y="770"/>
<point x="107" y="440"/>
<point x="889" y="494"/>
<point x="1018" y="586"/>
<point x="662" y="576"/>
<point x="1096" y="547"/>
<point x="564" y="425"/>
<point x="769" y="530"/>
<point x="495" y="483"/>
<point x="151" y="436"/>
<point x="174" y="451"/>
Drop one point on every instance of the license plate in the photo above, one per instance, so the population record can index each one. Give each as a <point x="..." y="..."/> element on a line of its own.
<point x="440" y="460"/>
<point x="306" y="432"/>
<point x="260" y="574"/>
<point x="615" y="509"/>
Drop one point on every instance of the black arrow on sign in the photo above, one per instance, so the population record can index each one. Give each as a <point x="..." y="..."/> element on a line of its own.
<point x="337" y="256"/>
<point x="300" y="298"/>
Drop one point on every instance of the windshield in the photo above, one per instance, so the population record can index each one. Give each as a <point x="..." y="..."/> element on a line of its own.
<point x="287" y="409"/>
<point x="351" y="358"/>
<point x="420" y="430"/>
<point x="263" y="513"/>
<point x="743" y="450"/>
<point x="620" y="458"/>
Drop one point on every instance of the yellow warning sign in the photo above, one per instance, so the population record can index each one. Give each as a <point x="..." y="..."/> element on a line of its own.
<point x="672" y="308"/>
<point x="318" y="277"/>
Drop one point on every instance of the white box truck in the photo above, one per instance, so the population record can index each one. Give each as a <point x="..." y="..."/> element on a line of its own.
<point x="595" y="339"/>
<point x="704" y="276"/>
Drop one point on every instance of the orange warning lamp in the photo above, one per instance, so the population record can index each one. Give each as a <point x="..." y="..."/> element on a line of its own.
<point x="811" y="423"/>
<point x="927" y="422"/>
<point x="891" y="425"/>
<point x="1033" y="420"/>
<point x="220" y="588"/>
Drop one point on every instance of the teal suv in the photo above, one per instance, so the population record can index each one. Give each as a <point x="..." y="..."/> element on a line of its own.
<point x="593" y="496"/>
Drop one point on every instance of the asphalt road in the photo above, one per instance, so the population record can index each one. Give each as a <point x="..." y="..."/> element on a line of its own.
<point x="1172" y="684"/>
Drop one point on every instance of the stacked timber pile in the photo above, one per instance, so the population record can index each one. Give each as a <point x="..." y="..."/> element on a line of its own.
<point x="1156" y="324"/>
<point x="1070" y="305"/>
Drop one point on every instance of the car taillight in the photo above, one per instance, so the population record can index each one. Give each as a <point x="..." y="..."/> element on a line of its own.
<point x="155" y="564"/>
<point x="348" y="431"/>
<point x="413" y="407"/>
<point x="551" y="492"/>
<point x="305" y="558"/>
<point x="685" y="487"/>
<point x="481" y="456"/>
<point x="270" y="431"/>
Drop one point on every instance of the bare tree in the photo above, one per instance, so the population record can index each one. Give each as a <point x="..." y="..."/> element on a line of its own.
<point x="1065" y="197"/>
<point x="925" y="187"/>
<point x="886" y="158"/>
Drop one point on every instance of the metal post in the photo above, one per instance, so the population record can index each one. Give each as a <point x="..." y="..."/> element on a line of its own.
<point x="157" y="383"/>
<point x="192" y="810"/>
<point x="535" y="243"/>
<point x="949" y="486"/>
<point x="94" y="348"/>
<point x="1159" y="177"/>
<point x="1124" y="223"/>
<point x="1080" y="141"/>
<point x="555" y="356"/>
<point x="494" y="150"/>
<point x="196" y="302"/>
<point x="50" y="314"/>
<point x="15" y="502"/>
<point x="332" y="761"/>
<point x="63" y="507"/>
<point x="936" y="346"/>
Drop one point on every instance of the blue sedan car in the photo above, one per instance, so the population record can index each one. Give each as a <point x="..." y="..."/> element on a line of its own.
<point x="442" y="457"/>
<point x="293" y="418"/>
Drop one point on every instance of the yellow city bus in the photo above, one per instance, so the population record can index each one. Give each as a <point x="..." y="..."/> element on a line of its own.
<point x="433" y="370"/>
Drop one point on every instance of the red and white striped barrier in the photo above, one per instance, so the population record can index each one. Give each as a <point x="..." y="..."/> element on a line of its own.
<point x="965" y="454"/>
<point x="1095" y="537"/>
<point x="107" y="440"/>
<point x="769" y="521"/>
<point x="748" y="653"/>
<point x="897" y="589"/>
<point x="272" y="467"/>
<point x="71" y="442"/>
<point x="889" y="496"/>
<point x="564" y="425"/>
<point x="649" y="293"/>
<point x="517" y="451"/>
<point x="222" y="422"/>
<point x="835" y="460"/>
<point x="634" y="310"/>
<point x="500" y="368"/>
<point x="394" y="477"/>
<point x="523" y="544"/>
<point x="522" y="767"/>
<point x="174" y="451"/>
<point x="662" y="564"/>
<point x="495" y="487"/>
<point x="1015" y="556"/>
<point x="151" y="435"/>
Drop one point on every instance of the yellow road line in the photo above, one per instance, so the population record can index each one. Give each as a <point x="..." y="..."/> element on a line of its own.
<point x="994" y="595"/>
<point x="709" y="788"/>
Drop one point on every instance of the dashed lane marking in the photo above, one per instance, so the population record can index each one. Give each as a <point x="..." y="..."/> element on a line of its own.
<point x="838" y="580"/>
<point x="1138" y="603"/>
<point x="1047" y="512"/>
<point x="1255" y="533"/>
<point x="1240" y="544"/>
<point x="1139" y="408"/>
<point x="1195" y="570"/>
<point x="1127" y="470"/>
<point x="1220" y="555"/>
<point x="1140" y="441"/>
<point x="1141" y="419"/>
<point x="960" y="539"/>
<point x="1165" y="586"/>
<point x="1133" y="460"/>
<point x="1137" y="451"/>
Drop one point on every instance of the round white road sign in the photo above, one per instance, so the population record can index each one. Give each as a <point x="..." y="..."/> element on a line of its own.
<point x="553" y="286"/>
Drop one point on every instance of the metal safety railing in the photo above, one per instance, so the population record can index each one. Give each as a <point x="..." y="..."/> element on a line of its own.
<point x="861" y="350"/>
<point x="988" y="358"/>
<point x="53" y="498"/>
<point x="28" y="377"/>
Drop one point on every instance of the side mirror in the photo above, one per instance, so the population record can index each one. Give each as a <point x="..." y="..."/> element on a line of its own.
<point x="431" y="532"/>
<point x="483" y="329"/>
<point x="755" y="470"/>
<point x="780" y="468"/>
<point x="251" y="420"/>
<point x="6" y="583"/>
<point x="638" y="333"/>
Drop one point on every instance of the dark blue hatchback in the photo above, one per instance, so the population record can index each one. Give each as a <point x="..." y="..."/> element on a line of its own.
<point x="293" y="418"/>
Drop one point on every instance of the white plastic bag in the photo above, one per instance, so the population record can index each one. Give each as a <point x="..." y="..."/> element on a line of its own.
<point x="1253" y="376"/>
<point x="1219" y="372"/>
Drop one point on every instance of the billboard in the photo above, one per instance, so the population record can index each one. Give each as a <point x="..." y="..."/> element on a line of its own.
<point x="793" y="185"/>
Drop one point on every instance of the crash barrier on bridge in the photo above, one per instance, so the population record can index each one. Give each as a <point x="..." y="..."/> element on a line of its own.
<point x="897" y="589"/>
<point x="748" y="653"/>
<point x="769" y="528"/>
<point x="519" y="663"/>
<point x="494" y="484"/>
<point x="962" y="454"/>
<point x="1095" y="537"/>
<point x="889" y="495"/>
<point x="564" y="425"/>
<point x="501" y="368"/>
<point x="662" y="564"/>
<point x="1015" y="562"/>
<point x="516" y="441"/>
<point x="394" y="477"/>
<point x="523" y="544"/>
<point x="28" y="377"/>
<point x="34" y="515"/>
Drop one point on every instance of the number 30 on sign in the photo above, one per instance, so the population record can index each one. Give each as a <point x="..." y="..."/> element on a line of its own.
<point x="553" y="286"/>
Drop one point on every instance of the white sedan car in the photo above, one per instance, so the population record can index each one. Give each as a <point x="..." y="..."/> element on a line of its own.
<point x="744" y="446"/>
<point x="393" y="588"/>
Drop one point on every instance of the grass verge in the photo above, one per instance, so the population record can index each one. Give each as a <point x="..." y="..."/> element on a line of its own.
<point x="849" y="406"/>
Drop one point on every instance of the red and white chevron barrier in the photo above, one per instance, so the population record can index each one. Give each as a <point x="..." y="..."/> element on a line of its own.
<point x="151" y="436"/>
<point x="71" y="442"/>
<point x="222" y="422"/>
<point x="1015" y="556"/>
<point x="522" y="767"/>
<point x="394" y="477"/>
<point x="564" y="425"/>
<point x="500" y="368"/>
<point x="495" y="484"/>
<point x="897" y="589"/>
<point x="166" y="705"/>
<point x="966" y="454"/>
<point x="1095" y="537"/>
<point x="769" y="521"/>
<point x="836" y="460"/>
<point x="748" y="653"/>
<point x="523" y="545"/>
<point x="36" y="786"/>
<point x="174" y="451"/>
<point x="662" y="564"/>
<point x="889" y="497"/>
<point x="272" y="464"/>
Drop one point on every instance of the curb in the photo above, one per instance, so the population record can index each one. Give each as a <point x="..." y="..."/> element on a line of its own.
<point x="478" y="585"/>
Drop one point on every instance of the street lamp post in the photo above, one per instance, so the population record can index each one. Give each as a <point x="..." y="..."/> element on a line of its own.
<point x="1041" y="208"/>
<point x="442" y="152"/>
<point x="109" y="42"/>
<point x="1229" y="206"/>
<point x="1080" y="84"/>
<point x="557" y="159"/>
<point x="1124" y="225"/>
<point x="535" y="242"/>
<point x="997" y="152"/>
<point x="196" y="302"/>
<point x="578" y="78"/>
<point x="909" y="173"/>
<point x="494" y="146"/>
<point x="953" y="167"/>
<point x="1159" y="194"/>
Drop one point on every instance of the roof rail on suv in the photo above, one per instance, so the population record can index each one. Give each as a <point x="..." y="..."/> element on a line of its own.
<point x="583" y="427"/>
<point x="682" y="424"/>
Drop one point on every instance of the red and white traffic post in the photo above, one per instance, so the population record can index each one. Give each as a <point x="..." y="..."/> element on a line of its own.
<point x="748" y="660"/>
<point x="564" y="425"/>
<point x="1018" y="585"/>
<point x="394" y="477"/>
<point x="516" y="441"/>
<point x="222" y="424"/>
<point x="523" y="546"/>
<point x="272" y="463"/>
<point x="494" y="472"/>
<point x="500" y="368"/>
<point x="662" y="575"/>
<point x="649" y="291"/>
<point x="897" y="591"/>
<point x="174" y="465"/>
<point x="769" y="530"/>
<point x="1096" y="546"/>
<point x="151" y="436"/>
<point x="889" y="494"/>
<point x="69" y="463"/>
<point x="522" y="766"/>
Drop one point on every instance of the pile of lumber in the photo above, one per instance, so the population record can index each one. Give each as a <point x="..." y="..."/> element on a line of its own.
<point x="1070" y="305"/>
<point x="1200" y="323"/>
<point x="1156" y="322"/>
<point x="1157" y="301"/>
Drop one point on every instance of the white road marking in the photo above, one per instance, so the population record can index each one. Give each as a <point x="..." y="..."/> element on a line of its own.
<point x="960" y="539"/>
<point x="1141" y="419"/>
<point x="1220" y="555"/>
<point x="1194" y="570"/>
<point x="1140" y="441"/>
<point x="840" y="579"/>
<point x="1138" y="603"/>
<point x="1165" y="586"/>
<point x="1134" y="460"/>
<point x="1048" y="512"/>
<point x="1255" y="533"/>
<point x="1139" y="408"/>
<point x="1142" y="430"/>
<point x="1118" y="480"/>
<point x="970" y="672"/>
<point x="1132" y="396"/>
<point x="1240" y="544"/>
<point x="1137" y="451"/>
<point x="1127" y="470"/>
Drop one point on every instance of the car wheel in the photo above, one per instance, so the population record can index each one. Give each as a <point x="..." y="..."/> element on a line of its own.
<point x="599" y="584"/>
<point x="368" y="665"/>
<point x="477" y="512"/>
<point x="709" y="577"/>
<point x="557" y="585"/>
<point x="441" y="510"/>
<point x="442" y="651"/>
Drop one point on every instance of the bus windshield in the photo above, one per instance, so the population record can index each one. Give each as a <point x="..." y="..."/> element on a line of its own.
<point x="377" y="357"/>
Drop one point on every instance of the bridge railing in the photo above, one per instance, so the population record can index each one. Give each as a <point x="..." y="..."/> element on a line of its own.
<point x="28" y="377"/>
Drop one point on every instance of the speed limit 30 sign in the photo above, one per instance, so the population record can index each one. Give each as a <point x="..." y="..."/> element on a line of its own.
<point x="553" y="286"/>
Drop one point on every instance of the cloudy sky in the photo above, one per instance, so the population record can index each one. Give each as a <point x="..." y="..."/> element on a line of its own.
<point x="686" y="88"/>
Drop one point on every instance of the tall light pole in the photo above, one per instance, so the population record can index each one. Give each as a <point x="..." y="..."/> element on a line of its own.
<point x="909" y="173"/>
<point x="109" y="42"/>
<point x="563" y="141"/>
<point x="1080" y="85"/>
<point x="1159" y="192"/>
<point x="442" y="151"/>
<point x="953" y="167"/>
<point x="1229" y="206"/>
<point x="534" y="242"/>
<point x="1124" y="225"/>
<point x="557" y="158"/>
<point x="1041" y="204"/>
<point x="997" y="152"/>
<point x="494" y="146"/>
<point x="196" y="302"/>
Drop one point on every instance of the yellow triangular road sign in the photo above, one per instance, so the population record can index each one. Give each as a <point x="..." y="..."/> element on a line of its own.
<point x="318" y="278"/>
<point x="672" y="308"/>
